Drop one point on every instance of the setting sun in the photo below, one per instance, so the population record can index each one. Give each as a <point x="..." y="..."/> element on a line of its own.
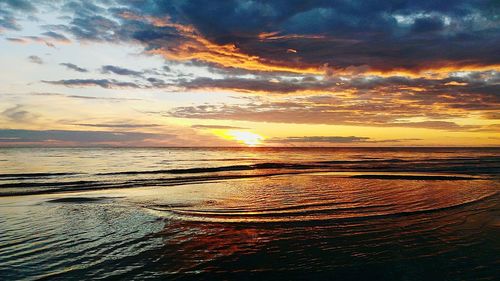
<point x="245" y="137"/>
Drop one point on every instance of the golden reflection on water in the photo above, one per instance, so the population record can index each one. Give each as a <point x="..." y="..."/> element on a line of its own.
<point x="315" y="197"/>
<point x="355" y="214"/>
<point x="314" y="224"/>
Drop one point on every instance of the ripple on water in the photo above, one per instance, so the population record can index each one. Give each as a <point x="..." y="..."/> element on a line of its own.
<point x="325" y="226"/>
<point x="287" y="225"/>
<point x="316" y="198"/>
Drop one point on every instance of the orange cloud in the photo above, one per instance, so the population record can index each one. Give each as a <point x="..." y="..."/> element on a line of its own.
<point x="228" y="55"/>
<point x="197" y="47"/>
<point x="432" y="71"/>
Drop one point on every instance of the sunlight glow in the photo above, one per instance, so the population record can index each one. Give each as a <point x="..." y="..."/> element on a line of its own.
<point x="245" y="137"/>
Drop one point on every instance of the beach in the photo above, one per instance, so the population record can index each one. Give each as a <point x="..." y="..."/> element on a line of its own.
<point x="282" y="214"/>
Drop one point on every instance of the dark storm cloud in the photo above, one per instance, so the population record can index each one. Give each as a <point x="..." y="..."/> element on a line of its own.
<point x="381" y="35"/>
<point x="428" y="24"/>
<point x="83" y="137"/>
<point x="74" y="67"/>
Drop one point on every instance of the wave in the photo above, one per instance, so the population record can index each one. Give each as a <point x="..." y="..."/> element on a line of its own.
<point x="260" y="166"/>
<point x="435" y="164"/>
<point x="472" y="165"/>
<point x="32" y="188"/>
<point x="78" y="199"/>
<point x="462" y="168"/>
<point x="412" y="177"/>
<point x="296" y="211"/>
<point x="34" y="175"/>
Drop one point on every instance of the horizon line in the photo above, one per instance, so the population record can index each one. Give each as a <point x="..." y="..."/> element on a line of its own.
<point x="246" y="147"/>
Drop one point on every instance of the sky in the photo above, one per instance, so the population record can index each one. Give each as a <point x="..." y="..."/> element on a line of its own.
<point x="249" y="73"/>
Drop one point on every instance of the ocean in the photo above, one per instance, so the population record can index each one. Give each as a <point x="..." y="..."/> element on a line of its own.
<point x="249" y="213"/>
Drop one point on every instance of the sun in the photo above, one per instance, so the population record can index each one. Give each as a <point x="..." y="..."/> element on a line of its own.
<point x="245" y="137"/>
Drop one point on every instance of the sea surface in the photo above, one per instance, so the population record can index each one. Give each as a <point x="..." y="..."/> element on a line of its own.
<point x="250" y="213"/>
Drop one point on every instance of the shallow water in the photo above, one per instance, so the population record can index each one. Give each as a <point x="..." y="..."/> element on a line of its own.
<point x="349" y="214"/>
<point x="45" y="170"/>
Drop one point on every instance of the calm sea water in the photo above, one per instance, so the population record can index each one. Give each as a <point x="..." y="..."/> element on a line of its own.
<point x="247" y="213"/>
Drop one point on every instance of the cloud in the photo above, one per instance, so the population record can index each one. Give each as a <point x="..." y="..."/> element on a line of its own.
<point x="250" y="85"/>
<point x="58" y="137"/>
<point x="15" y="40"/>
<point x="18" y="114"/>
<point x="49" y="38"/>
<point x="475" y="83"/>
<point x="103" y="83"/>
<point x="488" y="128"/>
<point x="116" y="125"/>
<point x="336" y="36"/>
<point x="339" y="34"/>
<point x="124" y="137"/>
<point x="22" y="5"/>
<point x="334" y="139"/>
<point x="438" y="125"/>
<point x="458" y="94"/>
<point x="157" y="83"/>
<point x="56" y="36"/>
<point x="8" y="22"/>
<point x="329" y="139"/>
<point x="35" y="59"/>
<point x="74" y="67"/>
<point x="416" y="64"/>
<point x="356" y="100"/>
<point x="217" y="127"/>
<point x="85" y="97"/>
<point x="119" y="70"/>
<point x="379" y="114"/>
<point x="9" y="12"/>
